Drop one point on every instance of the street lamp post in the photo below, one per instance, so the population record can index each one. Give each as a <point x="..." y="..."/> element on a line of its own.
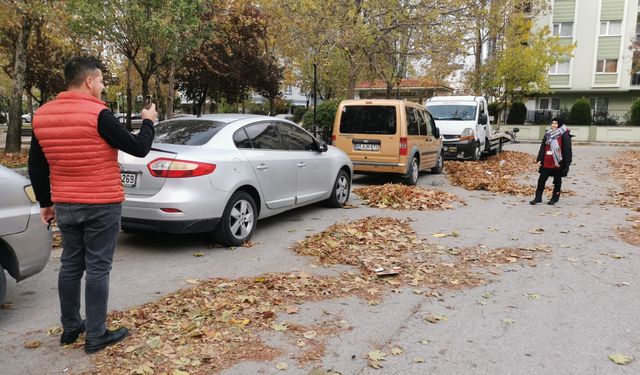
<point x="315" y="96"/>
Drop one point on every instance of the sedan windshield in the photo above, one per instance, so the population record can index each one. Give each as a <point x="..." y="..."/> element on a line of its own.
<point x="187" y="132"/>
<point x="454" y="112"/>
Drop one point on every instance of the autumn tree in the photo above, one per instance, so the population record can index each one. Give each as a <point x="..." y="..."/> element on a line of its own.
<point x="522" y="60"/>
<point x="18" y="21"/>
<point x="232" y="59"/>
<point x="149" y="33"/>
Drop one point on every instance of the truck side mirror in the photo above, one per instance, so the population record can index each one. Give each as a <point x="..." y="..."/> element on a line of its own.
<point x="482" y="119"/>
<point x="436" y="132"/>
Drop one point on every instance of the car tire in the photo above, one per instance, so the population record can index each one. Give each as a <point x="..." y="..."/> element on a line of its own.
<point x="3" y="285"/>
<point x="412" y="173"/>
<point x="341" y="190"/>
<point x="476" y="152"/>
<point x="238" y="221"/>
<point x="440" y="164"/>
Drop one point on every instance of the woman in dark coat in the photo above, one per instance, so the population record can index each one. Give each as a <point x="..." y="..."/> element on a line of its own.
<point x="554" y="158"/>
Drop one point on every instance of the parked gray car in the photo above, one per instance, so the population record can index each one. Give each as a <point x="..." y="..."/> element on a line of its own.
<point x="25" y="242"/>
<point x="220" y="173"/>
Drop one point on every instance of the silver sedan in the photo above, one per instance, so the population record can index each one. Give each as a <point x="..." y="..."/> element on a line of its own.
<point x="219" y="173"/>
<point x="25" y="242"/>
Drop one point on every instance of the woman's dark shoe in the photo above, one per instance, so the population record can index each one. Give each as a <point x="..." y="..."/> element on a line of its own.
<point x="69" y="337"/>
<point x="554" y="199"/>
<point x="92" y="345"/>
<point x="535" y="201"/>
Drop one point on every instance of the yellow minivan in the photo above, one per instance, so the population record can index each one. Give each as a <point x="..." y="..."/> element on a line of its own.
<point x="388" y="136"/>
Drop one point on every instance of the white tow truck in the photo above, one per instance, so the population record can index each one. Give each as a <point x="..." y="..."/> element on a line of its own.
<point x="464" y="123"/>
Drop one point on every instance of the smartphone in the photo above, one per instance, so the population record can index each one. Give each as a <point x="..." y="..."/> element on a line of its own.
<point x="147" y="102"/>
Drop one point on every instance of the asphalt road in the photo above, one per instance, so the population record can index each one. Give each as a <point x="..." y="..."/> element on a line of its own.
<point x="587" y="303"/>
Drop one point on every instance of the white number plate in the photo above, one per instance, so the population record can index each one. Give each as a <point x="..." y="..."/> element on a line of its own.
<point x="366" y="147"/>
<point x="453" y="149"/>
<point x="128" y="179"/>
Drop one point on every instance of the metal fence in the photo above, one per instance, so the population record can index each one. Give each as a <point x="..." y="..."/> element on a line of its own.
<point x="612" y="116"/>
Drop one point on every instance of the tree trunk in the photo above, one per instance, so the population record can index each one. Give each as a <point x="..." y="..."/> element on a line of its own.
<point x="171" y="90"/>
<point x="160" y="100"/>
<point x="389" y="90"/>
<point x="353" y="77"/>
<point x="13" y="143"/>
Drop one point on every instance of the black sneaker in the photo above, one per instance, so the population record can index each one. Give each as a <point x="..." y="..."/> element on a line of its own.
<point x="92" y="345"/>
<point x="69" y="337"/>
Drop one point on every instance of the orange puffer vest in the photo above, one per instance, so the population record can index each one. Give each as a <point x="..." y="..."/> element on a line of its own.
<point x="83" y="166"/>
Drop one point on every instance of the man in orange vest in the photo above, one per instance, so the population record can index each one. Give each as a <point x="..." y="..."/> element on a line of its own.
<point x="74" y="171"/>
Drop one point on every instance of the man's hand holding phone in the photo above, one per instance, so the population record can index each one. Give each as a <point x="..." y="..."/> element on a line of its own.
<point x="149" y="113"/>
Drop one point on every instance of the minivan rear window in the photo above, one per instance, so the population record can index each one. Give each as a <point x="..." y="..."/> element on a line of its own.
<point x="368" y="119"/>
<point x="187" y="132"/>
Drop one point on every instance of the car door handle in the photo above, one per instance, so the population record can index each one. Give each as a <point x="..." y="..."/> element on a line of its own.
<point x="262" y="167"/>
<point x="302" y="164"/>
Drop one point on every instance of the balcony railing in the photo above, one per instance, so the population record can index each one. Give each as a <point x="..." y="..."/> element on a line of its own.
<point x="611" y="116"/>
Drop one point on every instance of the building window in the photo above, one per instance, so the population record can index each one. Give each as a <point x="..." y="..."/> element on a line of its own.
<point x="563" y="29"/>
<point x="559" y="67"/>
<point x="607" y="66"/>
<point x="599" y="105"/>
<point x="610" y="27"/>
<point x="549" y="103"/>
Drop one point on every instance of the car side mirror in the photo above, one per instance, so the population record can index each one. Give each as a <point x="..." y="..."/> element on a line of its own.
<point x="322" y="146"/>
<point x="482" y="119"/>
<point x="436" y="132"/>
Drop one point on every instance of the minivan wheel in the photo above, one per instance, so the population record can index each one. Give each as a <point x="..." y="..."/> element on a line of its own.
<point x="3" y="285"/>
<point x="341" y="190"/>
<point x="440" y="165"/>
<point x="412" y="175"/>
<point x="238" y="222"/>
<point x="477" y="152"/>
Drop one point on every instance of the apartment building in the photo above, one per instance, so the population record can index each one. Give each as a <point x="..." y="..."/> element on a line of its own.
<point x="605" y="67"/>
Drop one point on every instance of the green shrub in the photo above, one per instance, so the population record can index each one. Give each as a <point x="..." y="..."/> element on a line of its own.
<point x="494" y="109"/>
<point x="325" y="114"/>
<point x="298" y="112"/>
<point x="635" y="112"/>
<point x="517" y="113"/>
<point x="256" y="108"/>
<point x="580" y="113"/>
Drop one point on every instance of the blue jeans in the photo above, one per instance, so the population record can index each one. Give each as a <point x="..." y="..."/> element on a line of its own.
<point x="89" y="235"/>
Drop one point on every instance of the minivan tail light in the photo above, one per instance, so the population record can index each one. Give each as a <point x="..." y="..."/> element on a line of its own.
<point x="333" y="139"/>
<point x="174" y="168"/>
<point x="404" y="145"/>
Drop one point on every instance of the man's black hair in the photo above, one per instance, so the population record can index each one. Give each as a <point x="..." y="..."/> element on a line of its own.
<point x="77" y="69"/>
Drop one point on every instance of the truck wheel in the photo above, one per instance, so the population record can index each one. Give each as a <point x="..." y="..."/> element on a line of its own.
<point x="477" y="152"/>
<point x="3" y="285"/>
<point x="440" y="164"/>
<point x="412" y="175"/>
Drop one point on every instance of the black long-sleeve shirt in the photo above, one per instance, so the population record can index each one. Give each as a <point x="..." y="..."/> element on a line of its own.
<point x="110" y="129"/>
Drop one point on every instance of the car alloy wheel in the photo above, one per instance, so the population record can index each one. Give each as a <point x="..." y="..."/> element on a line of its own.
<point x="238" y="221"/>
<point x="476" y="152"/>
<point x="341" y="190"/>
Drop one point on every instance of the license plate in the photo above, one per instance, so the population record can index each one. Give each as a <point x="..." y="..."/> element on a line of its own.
<point x="453" y="149"/>
<point x="366" y="147"/>
<point x="128" y="179"/>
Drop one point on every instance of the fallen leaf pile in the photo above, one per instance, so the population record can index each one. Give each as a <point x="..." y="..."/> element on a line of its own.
<point x="626" y="170"/>
<point x="495" y="174"/>
<point x="382" y="246"/>
<point x="218" y="323"/>
<point x="631" y="234"/>
<point x="15" y="159"/>
<point x="403" y="197"/>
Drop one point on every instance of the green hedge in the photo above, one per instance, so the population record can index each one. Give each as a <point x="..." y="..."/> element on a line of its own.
<point x="580" y="113"/>
<point x="325" y="114"/>
<point x="517" y="113"/>
<point x="635" y="112"/>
